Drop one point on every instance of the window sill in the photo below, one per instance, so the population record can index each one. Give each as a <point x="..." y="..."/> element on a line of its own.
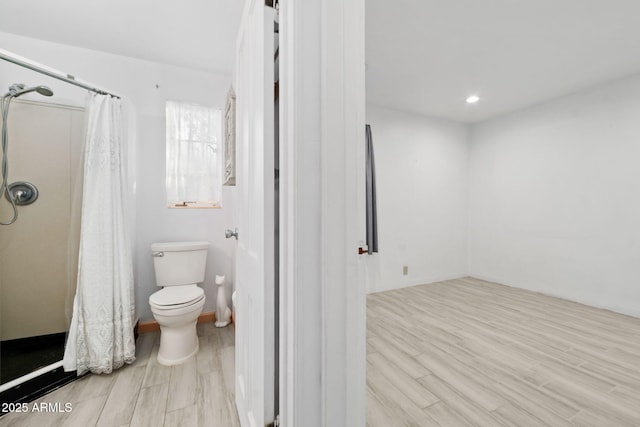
<point x="194" y="206"/>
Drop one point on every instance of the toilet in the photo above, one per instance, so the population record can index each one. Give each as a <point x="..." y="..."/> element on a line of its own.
<point x="179" y="267"/>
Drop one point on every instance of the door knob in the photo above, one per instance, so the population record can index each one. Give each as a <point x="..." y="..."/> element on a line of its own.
<point x="229" y="234"/>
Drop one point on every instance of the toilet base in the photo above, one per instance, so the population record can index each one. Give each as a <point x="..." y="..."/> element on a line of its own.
<point x="178" y="344"/>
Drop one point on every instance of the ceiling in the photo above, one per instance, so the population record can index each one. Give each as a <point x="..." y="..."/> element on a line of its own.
<point x="197" y="34"/>
<point x="424" y="56"/>
<point x="427" y="56"/>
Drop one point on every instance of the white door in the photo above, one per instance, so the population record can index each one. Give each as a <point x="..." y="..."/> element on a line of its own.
<point x="255" y="216"/>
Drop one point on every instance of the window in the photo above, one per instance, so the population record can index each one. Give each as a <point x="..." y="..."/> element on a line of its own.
<point x="193" y="155"/>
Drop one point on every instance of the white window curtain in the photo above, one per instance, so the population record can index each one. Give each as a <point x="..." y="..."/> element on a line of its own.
<point x="101" y="333"/>
<point x="193" y="153"/>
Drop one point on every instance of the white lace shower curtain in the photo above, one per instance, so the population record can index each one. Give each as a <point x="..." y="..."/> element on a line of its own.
<point x="101" y="333"/>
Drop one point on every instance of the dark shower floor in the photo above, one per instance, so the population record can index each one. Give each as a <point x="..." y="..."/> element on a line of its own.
<point x="22" y="356"/>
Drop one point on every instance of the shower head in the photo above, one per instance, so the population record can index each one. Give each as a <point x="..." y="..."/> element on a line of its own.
<point x="44" y="90"/>
<point x="18" y="89"/>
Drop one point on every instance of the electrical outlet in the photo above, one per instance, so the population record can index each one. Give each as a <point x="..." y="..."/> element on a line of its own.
<point x="405" y="270"/>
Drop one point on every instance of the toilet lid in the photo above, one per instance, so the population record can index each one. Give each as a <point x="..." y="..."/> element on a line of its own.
<point x="176" y="295"/>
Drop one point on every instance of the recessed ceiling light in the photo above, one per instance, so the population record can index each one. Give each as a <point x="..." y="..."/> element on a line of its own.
<point x="473" y="99"/>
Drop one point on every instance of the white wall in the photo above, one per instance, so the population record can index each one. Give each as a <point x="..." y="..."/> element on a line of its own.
<point x="422" y="179"/>
<point x="555" y="203"/>
<point x="148" y="85"/>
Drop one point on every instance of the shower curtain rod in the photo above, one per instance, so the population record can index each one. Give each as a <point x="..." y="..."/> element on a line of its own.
<point x="67" y="78"/>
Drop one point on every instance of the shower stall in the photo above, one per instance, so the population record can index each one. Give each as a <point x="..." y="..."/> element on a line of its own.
<point x="41" y="180"/>
<point x="39" y="233"/>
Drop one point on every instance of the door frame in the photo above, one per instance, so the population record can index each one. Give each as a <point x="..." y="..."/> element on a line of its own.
<point x="322" y="220"/>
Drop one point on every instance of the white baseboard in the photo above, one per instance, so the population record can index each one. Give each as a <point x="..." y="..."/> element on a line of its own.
<point x="584" y="301"/>
<point x="416" y="282"/>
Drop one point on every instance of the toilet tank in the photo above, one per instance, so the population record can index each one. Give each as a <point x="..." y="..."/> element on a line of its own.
<point x="179" y="263"/>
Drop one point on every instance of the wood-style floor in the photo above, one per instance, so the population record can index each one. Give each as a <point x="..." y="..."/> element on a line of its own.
<point x="468" y="352"/>
<point x="199" y="392"/>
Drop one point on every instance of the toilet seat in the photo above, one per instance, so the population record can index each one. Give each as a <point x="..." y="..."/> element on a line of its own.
<point x="176" y="297"/>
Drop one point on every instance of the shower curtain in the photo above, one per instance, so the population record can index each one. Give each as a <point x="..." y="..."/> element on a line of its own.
<point x="101" y="333"/>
